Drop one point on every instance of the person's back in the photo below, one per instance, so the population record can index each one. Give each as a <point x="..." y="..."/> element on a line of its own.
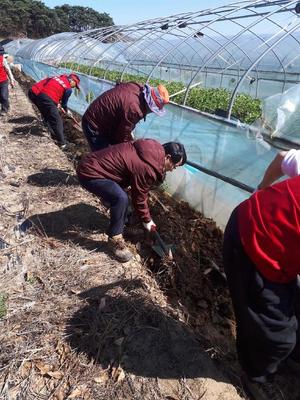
<point x="116" y="112"/>
<point x="269" y="225"/>
<point x="138" y="164"/>
<point x="112" y="117"/>
<point x="50" y="95"/>
<point x="53" y="87"/>
<point x="5" y="76"/>
<point x="3" y="73"/>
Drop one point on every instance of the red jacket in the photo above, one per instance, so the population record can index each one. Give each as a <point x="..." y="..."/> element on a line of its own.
<point x="53" y="87"/>
<point x="3" y="74"/>
<point x="269" y="225"/>
<point x="139" y="164"/>
<point x="115" y="113"/>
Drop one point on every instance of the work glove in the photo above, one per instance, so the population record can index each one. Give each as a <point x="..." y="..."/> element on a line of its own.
<point x="149" y="226"/>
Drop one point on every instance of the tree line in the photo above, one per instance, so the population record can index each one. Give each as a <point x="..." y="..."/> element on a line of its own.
<point x="33" y="19"/>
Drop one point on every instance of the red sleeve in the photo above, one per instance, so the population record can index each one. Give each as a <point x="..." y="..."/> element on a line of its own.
<point x="127" y="126"/>
<point x="140" y="186"/>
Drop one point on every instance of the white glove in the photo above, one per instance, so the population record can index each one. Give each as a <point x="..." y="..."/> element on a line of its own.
<point x="150" y="226"/>
<point x="69" y="113"/>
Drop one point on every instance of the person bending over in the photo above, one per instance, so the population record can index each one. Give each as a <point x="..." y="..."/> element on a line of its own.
<point x="51" y="94"/>
<point x="140" y="165"/>
<point x="112" y="117"/>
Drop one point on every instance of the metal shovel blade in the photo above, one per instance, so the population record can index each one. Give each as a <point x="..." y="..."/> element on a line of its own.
<point x="161" y="248"/>
<point x="163" y="253"/>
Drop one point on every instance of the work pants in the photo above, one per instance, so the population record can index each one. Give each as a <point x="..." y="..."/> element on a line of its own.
<point x="4" y="101"/>
<point x="111" y="193"/>
<point x="50" y="114"/>
<point x="266" y="313"/>
<point x="95" y="139"/>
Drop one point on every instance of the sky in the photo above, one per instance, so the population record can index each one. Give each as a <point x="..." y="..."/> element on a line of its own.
<point x="130" y="11"/>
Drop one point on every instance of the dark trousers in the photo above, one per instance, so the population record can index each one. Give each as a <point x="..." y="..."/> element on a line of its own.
<point x="50" y="114"/>
<point x="95" y="140"/>
<point x="266" y="313"/>
<point x="111" y="193"/>
<point x="4" y="96"/>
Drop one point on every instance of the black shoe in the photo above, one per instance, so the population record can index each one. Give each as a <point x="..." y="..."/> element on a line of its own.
<point x="262" y="391"/>
<point x="44" y="123"/>
<point x="66" y="146"/>
<point x="292" y="365"/>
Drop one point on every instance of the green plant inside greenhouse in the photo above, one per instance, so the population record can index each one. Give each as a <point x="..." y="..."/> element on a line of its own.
<point x="246" y="108"/>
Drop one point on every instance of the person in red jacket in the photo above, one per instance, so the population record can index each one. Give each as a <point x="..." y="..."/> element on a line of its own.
<point x="49" y="95"/>
<point x="5" y="76"/>
<point x="112" y="117"/>
<point x="140" y="165"/>
<point x="261" y="261"/>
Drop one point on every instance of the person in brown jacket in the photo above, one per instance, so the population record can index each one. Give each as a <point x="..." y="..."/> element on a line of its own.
<point x="112" y="117"/>
<point x="140" y="165"/>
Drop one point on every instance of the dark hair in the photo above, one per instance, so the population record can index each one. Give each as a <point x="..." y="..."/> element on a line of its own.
<point x="176" y="151"/>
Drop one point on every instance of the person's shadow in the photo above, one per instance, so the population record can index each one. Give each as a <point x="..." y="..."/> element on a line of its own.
<point x="28" y="126"/>
<point x="53" y="177"/>
<point x="73" y="223"/>
<point x="129" y="330"/>
<point x="25" y="119"/>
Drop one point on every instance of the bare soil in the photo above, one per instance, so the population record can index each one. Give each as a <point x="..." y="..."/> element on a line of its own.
<point x="80" y="325"/>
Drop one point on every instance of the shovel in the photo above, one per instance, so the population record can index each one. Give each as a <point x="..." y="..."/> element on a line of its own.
<point x="77" y="124"/>
<point x="161" y="248"/>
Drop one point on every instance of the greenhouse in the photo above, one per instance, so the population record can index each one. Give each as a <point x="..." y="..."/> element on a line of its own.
<point x="233" y="76"/>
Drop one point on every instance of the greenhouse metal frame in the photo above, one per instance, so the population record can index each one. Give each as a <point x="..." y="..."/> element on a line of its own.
<point x="247" y="53"/>
<point x="261" y="45"/>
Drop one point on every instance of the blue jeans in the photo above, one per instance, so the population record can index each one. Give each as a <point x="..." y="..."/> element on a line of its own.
<point x="95" y="140"/>
<point x="111" y="193"/>
<point x="4" y="96"/>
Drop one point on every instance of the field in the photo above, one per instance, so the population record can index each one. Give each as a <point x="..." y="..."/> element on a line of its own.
<point x="75" y="323"/>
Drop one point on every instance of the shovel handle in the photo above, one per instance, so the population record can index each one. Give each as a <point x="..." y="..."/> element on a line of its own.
<point x="70" y="116"/>
<point x="160" y="242"/>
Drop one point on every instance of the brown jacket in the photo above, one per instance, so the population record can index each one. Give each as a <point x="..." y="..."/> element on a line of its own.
<point x="139" y="164"/>
<point x="116" y="112"/>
